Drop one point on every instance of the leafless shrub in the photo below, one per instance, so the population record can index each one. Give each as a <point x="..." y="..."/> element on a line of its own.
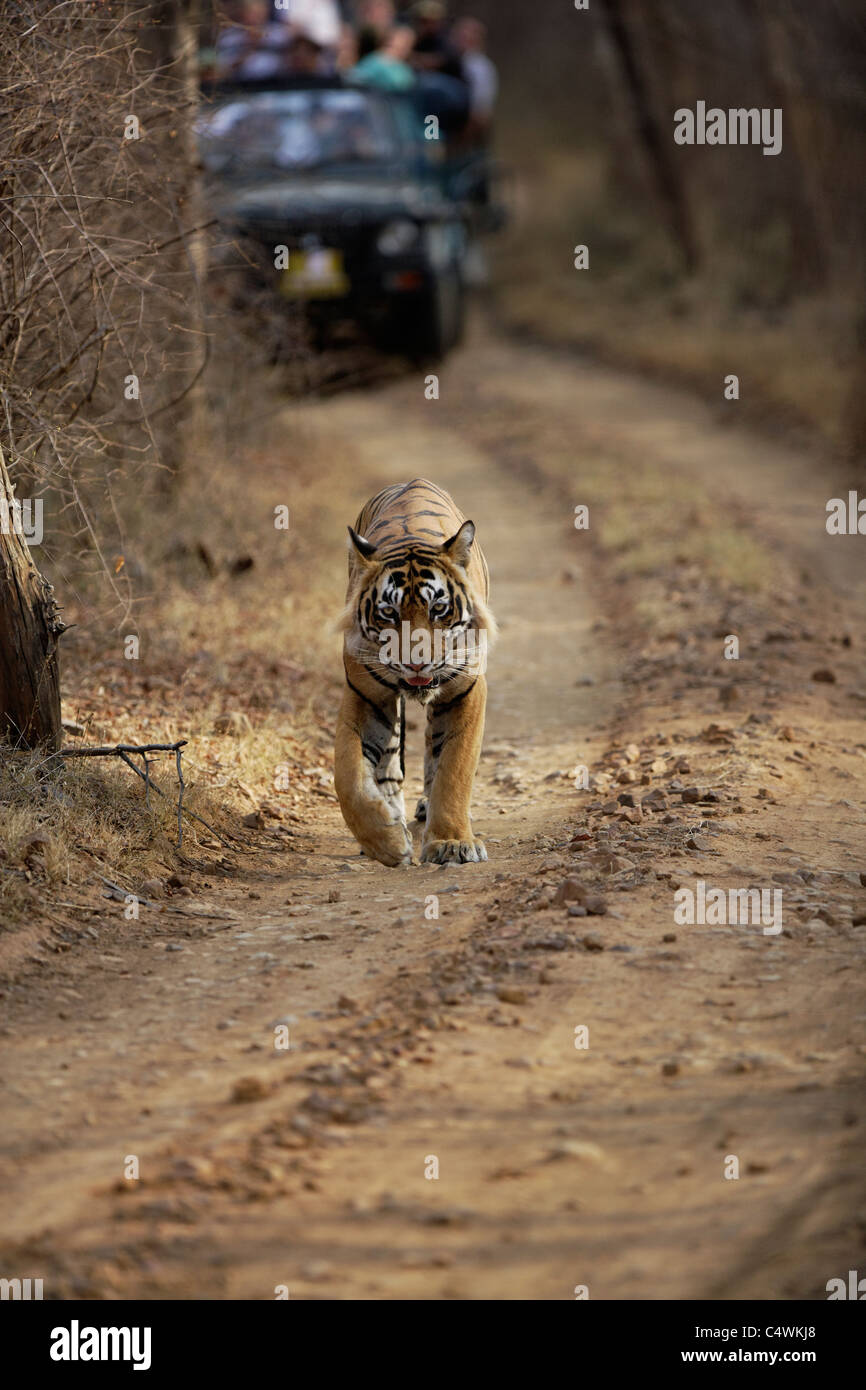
<point x="102" y="340"/>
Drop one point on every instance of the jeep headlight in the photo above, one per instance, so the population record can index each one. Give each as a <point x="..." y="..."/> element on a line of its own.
<point x="397" y="236"/>
<point x="445" y="244"/>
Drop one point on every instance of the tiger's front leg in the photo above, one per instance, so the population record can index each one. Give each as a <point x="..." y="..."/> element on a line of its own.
<point x="368" y="778"/>
<point x="429" y="774"/>
<point x="455" y="732"/>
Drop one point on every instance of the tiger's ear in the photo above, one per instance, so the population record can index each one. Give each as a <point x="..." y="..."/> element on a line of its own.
<point x="460" y="544"/>
<point x="366" y="549"/>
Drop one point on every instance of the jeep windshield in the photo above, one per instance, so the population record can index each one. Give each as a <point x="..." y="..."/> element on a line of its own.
<point x="270" y="132"/>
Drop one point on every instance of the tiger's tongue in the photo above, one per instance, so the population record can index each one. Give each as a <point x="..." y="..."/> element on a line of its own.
<point x="419" y="680"/>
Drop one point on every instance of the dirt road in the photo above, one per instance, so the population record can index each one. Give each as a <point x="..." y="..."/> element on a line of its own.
<point x="440" y="1126"/>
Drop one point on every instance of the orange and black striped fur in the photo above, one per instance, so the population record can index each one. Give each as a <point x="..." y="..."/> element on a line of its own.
<point x="416" y="627"/>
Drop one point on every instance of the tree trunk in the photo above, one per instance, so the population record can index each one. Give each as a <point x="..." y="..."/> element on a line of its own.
<point x="175" y="38"/>
<point x="809" y="221"/>
<point x="655" y="143"/>
<point x="29" y="631"/>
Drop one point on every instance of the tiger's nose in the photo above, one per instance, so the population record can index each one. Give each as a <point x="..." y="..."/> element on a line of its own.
<point x="417" y="665"/>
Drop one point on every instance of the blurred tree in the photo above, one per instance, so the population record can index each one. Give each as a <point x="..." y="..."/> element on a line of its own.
<point x="635" y="63"/>
<point x="810" y="235"/>
<point x="175" y="29"/>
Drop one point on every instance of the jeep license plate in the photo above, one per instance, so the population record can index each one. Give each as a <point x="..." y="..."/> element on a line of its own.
<point x="314" y="274"/>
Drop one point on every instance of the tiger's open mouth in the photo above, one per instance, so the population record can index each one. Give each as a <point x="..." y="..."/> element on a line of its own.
<point x="418" y="683"/>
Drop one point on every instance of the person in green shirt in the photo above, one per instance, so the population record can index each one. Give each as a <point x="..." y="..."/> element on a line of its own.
<point x="387" y="67"/>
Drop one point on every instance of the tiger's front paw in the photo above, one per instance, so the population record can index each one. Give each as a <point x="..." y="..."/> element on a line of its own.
<point x="453" y="852"/>
<point x="390" y="844"/>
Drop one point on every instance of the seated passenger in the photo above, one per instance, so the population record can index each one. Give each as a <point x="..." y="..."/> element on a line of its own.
<point x="250" y="46"/>
<point x="374" y="21"/>
<point x="306" y="56"/>
<point x="433" y="51"/>
<point x="387" y="67"/>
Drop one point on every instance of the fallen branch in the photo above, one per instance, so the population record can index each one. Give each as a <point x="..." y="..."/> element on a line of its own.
<point x="123" y="751"/>
<point x="120" y="748"/>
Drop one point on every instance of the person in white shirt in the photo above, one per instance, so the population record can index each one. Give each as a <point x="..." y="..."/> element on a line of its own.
<point x="469" y="37"/>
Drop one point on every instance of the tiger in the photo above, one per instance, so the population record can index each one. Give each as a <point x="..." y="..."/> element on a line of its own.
<point x="416" y="627"/>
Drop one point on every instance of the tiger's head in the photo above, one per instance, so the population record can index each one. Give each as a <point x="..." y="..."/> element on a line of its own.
<point x="415" y="616"/>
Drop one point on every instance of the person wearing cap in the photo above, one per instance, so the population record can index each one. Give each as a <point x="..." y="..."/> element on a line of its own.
<point x="433" y="51"/>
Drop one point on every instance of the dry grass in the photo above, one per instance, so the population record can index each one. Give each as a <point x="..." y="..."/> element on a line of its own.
<point x="794" y="359"/>
<point x="60" y="829"/>
<point x="242" y="662"/>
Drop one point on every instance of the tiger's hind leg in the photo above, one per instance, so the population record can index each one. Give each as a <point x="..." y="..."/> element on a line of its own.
<point x="454" y="734"/>
<point x="369" y="780"/>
